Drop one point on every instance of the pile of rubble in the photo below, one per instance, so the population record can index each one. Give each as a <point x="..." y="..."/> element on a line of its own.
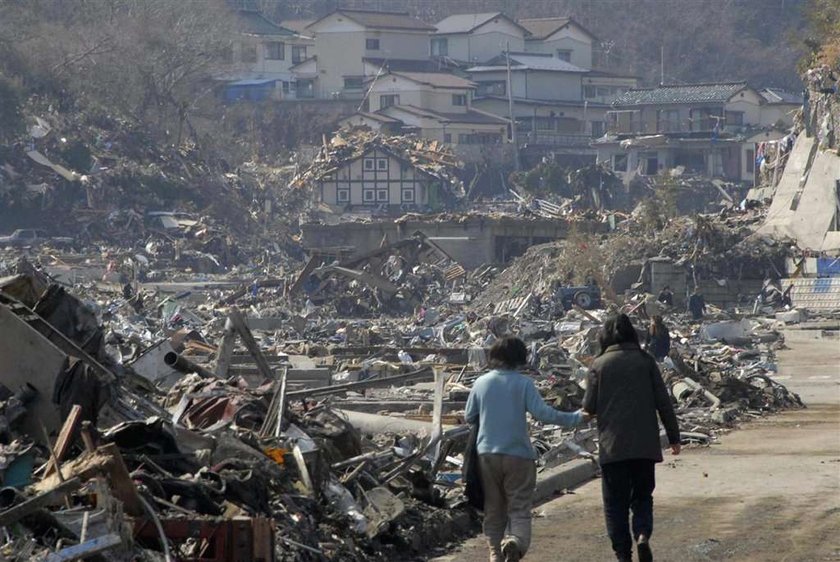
<point x="315" y="414"/>
<point x="707" y="246"/>
<point x="819" y="111"/>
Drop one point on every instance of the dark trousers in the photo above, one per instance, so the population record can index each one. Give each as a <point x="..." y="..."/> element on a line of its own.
<point x="628" y="485"/>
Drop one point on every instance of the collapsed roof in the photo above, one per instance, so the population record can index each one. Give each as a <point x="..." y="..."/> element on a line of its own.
<point x="431" y="157"/>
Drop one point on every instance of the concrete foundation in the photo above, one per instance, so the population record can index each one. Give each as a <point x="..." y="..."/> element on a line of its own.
<point x="473" y="241"/>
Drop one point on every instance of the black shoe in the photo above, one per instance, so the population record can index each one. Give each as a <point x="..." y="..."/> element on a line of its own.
<point x="643" y="548"/>
<point x="624" y="557"/>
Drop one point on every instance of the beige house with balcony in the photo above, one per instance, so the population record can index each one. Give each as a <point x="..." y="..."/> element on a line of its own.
<point x="345" y="38"/>
<point x="476" y="38"/>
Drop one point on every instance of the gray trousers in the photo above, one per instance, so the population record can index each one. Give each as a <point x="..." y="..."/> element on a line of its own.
<point x="508" y="484"/>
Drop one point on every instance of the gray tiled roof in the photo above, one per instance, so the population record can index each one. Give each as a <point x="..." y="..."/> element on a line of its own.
<point x="777" y="95"/>
<point x="688" y="93"/>
<point x="528" y="62"/>
<point x="437" y="79"/>
<point x="469" y="116"/>
<point x="382" y="20"/>
<point x="254" y="23"/>
<point x="464" y="23"/>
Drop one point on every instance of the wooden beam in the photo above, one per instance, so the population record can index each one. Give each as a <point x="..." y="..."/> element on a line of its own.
<point x="241" y="327"/>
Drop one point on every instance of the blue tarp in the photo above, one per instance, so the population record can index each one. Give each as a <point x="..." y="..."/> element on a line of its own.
<point x="252" y="90"/>
<point x="828" y="267"/>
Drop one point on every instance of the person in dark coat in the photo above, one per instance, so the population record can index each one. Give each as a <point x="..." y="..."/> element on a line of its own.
<point x="625" y="392"/>
<point x="658" y="339"/>
<point x="666" y="296"/>
<point x="697" y="305"/>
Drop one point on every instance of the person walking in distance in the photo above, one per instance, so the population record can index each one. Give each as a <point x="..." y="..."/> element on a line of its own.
<point x="498" y="403"/>
<point x="658" y="339"/>
<point x="625" y="392"/>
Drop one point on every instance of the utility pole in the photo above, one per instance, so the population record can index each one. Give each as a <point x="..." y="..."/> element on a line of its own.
<point x="517" y="165"/>
<point x="662" y="64"/>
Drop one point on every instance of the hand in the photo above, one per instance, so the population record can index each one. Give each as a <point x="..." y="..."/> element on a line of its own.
<point x="675" y="449"/>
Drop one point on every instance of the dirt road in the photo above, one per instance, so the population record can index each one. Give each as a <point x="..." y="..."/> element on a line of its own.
<point x="769" y="491"/>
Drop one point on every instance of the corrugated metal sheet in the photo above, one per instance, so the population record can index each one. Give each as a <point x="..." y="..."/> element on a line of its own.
<point x="815" y="293"/>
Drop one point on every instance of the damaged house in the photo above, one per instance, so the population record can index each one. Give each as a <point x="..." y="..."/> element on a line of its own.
<point x="704" y="128"/>
<point x="362" y="170"/>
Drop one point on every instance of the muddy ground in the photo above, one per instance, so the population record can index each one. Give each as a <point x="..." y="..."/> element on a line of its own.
<point x="769" y="491"/>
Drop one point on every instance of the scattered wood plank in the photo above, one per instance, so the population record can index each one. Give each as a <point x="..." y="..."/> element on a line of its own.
<point x="62" y="444"/>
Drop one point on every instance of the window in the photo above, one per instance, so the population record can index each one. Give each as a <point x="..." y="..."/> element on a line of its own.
<point x="440" y="47"/>
<point x="447" y="138"/>
<point x="249" y="53"/>
<point x="479" y="138"/>
<point x="275" y="50"/>
<point x="669" y="120"/>
<point x="564" y="54"/>
<point x="285" y="86"/>
<point x="734" y="118"/>
<point x="750" y="162"/>
<point x="381" y="163"/>
<point x="382" y="196"/>
<point x="590" y="92"/>
<point x="619" y="162"/>
<point x="372" y="44"/>
<point x="342" y="195"/>
<point x="598" y="128"/>
<point x="388" y="101"/>
<point x="408" y="196"/>
<point x="298" y="54"/>
<point x="370" y="164"/>
<point x="227" y="55"/>
<point x="459" y="99"/>
<point x="353" y="82"/>
<point x="368" y="195"/>
<point x="495" y="88"/>
<point x="544" y="123"/>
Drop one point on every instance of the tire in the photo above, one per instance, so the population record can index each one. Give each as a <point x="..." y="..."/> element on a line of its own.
<point x="583" y="299"/>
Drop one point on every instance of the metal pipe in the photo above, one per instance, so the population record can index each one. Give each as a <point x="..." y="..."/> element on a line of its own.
<point x="184" y="365"/>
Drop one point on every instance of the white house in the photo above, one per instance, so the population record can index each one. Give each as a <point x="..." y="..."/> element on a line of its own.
<point x="559" y="37"/>
<point x="435" y="105"/>
<point x="344" y="38"/>
<point x="476" y="38"/>
<point x="260" y="59"/>
<point x="780" y="106"/>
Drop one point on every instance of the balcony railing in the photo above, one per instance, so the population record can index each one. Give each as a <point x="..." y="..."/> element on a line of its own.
<point x="564" y="140"/>
<point x="642" y="128"/>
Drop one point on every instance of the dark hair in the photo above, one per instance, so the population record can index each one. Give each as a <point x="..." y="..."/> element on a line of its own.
<point x="617" y="330"/>
<point x="509" y="352"/>
<point x="657" y="325"/>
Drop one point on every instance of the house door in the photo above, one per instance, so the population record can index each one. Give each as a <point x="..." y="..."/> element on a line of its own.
<point x="650" y="163"/>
